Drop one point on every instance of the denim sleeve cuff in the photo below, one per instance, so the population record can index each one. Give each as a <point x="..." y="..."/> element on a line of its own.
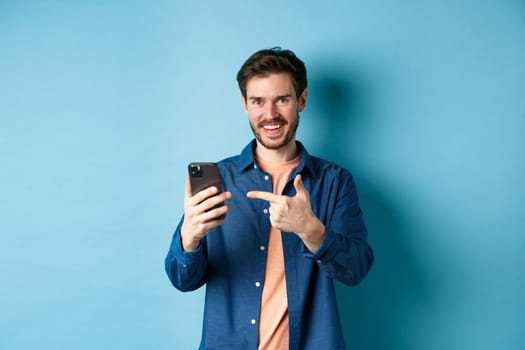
<point x="327" y="251"/>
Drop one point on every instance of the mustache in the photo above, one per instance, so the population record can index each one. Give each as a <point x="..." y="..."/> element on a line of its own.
<point x="278" y="120"/>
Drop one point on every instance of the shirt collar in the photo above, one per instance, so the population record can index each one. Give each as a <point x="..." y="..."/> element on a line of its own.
<point x="247" y="159"/>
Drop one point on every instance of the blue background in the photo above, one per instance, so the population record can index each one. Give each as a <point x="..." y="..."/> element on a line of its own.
<point x="103" y="103"/>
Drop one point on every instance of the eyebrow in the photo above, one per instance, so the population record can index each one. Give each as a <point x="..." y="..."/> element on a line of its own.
<point x="261" y="98"/>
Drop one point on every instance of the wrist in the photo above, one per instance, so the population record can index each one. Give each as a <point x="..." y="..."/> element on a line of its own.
<point x="188" y="244"/>
<point x="313" y="235"/>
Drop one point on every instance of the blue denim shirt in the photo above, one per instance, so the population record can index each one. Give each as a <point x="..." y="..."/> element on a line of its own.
<point x="231" y="258"/>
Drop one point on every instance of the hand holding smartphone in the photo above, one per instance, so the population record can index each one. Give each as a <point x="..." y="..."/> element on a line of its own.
<point x="203" y="175"/>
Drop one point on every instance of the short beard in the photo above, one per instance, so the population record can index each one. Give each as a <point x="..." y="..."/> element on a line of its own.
<point x="290" y="135"/>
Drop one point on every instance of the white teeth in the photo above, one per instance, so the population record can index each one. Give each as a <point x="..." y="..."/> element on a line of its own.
<point x="272" y="127"/>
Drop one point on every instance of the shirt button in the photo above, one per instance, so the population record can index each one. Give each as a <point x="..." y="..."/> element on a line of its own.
<point x="261" y="248"/>
<point x="253" y="321"/>
<point x="265" y="211"/>
<point x="257" y="284"/>
<point x="266" y="177"/>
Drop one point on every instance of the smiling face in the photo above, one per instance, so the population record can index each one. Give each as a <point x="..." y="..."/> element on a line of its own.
<point x="273" y="108"/>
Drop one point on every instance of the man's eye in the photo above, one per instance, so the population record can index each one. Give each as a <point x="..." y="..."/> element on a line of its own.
<point x="282" y="100"/>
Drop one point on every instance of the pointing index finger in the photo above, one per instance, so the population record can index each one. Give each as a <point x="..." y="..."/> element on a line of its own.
<point x="267" y="196"/>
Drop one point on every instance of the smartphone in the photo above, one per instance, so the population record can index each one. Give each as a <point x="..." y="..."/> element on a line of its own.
<point x="204" y="175"/>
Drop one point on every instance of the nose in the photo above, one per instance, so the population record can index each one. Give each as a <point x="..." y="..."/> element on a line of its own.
<point x="271" y="110"/>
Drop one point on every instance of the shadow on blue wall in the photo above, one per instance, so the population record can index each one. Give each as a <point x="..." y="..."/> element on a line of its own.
<point x="380" y="312"/>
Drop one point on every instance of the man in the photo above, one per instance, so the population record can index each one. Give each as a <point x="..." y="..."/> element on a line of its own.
<point x="293" y="225"/>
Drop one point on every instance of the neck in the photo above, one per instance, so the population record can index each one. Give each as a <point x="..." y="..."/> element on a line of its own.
<point x="280" y="155"/>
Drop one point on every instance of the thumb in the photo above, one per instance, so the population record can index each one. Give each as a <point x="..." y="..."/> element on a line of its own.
<point x="299" y="185"/>
<point x="187" y="189"/>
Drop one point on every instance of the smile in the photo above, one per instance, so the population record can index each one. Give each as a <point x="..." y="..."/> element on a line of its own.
<point x="272" y="126"/>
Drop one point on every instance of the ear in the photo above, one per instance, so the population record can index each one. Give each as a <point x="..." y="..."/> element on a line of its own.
<point x="243" y="101"/>
<point x="302" y="100"/>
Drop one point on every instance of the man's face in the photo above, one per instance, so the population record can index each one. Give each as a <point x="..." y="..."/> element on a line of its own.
<point x="273" y="108"/>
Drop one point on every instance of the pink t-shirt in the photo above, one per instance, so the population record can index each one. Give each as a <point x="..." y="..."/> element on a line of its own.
<point x="273" y="323"/>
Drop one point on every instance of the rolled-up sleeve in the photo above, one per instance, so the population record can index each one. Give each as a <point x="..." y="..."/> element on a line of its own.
<point x="186" y="270"/>
<point x="344" y="254"/>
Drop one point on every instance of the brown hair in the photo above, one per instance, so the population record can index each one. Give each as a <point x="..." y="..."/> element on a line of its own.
<point x="274" y="60"/>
